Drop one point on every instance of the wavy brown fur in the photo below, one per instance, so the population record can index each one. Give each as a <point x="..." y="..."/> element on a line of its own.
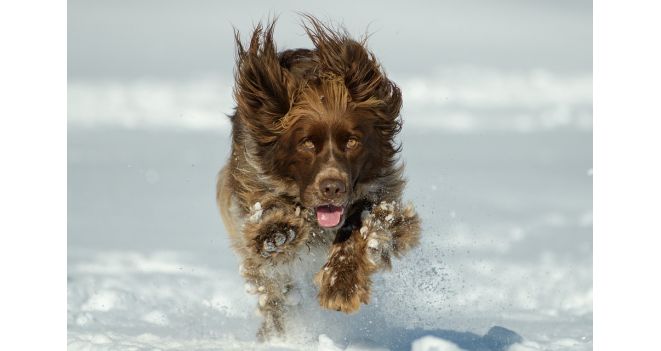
<point x="271" y="185"/>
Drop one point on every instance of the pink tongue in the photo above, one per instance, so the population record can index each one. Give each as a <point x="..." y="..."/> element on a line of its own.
<point x="329" y="216"/>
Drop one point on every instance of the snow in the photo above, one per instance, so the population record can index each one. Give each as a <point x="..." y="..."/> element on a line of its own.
<point x="256" y="213"/>
<point x="505" y="261"/>
<point x="430" y="343"/>
<point x="469" y="99"/>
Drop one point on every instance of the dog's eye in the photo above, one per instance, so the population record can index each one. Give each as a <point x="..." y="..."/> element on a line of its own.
<point x="352" y="143"/>
<point x="307" y="144"/>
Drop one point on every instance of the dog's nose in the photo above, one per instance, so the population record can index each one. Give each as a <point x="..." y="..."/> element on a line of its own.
<point x="332" y="188"/>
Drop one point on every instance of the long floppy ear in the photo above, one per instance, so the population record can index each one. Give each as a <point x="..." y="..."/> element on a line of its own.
<point x="261" y="87"/>
<point x="367" y="83"/>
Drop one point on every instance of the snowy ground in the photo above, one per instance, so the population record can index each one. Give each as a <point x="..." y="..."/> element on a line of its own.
<point x="507" y="242"/>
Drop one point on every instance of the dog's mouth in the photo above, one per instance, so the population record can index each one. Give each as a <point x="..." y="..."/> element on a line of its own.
<point x="329" y="216"/>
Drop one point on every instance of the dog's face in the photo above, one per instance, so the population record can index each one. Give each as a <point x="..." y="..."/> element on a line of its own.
<point x="323" y="121"/>
<point x="327" y="156"/>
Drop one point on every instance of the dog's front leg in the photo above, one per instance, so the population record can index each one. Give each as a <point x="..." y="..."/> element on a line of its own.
<point x="344" y="281"/>
<point x="387" y="229"/>
<point x="272" y="236"/>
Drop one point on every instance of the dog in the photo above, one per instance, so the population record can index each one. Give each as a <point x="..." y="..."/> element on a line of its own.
<point x="313" y="171"/>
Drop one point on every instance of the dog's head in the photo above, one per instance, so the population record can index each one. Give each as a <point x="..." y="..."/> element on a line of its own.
<point x="321" y="121"/>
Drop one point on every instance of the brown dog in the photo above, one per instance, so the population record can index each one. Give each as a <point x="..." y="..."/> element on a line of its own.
<point x="313" y="171"/>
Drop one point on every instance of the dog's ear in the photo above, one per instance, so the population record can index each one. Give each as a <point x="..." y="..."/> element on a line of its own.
<point x="367" y="83"/>
<point x="262" y="86"/>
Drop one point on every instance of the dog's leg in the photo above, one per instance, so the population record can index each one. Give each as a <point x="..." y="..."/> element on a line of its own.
<point x="272" y="236"/>
<point x="388" y="229"/>
<point x="344" y="281"/>
<point x="264" y="281"/>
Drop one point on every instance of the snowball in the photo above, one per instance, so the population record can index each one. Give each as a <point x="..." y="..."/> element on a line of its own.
<point x="256" y="211"/>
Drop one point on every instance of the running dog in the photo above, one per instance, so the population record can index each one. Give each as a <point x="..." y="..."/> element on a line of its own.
<point x="313" y="171"/>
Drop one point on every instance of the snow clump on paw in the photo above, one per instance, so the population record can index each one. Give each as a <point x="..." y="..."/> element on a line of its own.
<point x="256" y="212"/>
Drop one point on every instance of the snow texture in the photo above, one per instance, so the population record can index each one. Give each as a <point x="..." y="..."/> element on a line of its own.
<point x="468" y="98"/>
<point x="505" y="261"/>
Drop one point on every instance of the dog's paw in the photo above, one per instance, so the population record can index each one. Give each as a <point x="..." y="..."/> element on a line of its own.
<point x="388" y="215"/>
<point x="274" y="239"/>
<point x="341" y="287"/>
<point x="377" y="231"/>
<point x="379" y="247"/>
<point x="389" y="228"/>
